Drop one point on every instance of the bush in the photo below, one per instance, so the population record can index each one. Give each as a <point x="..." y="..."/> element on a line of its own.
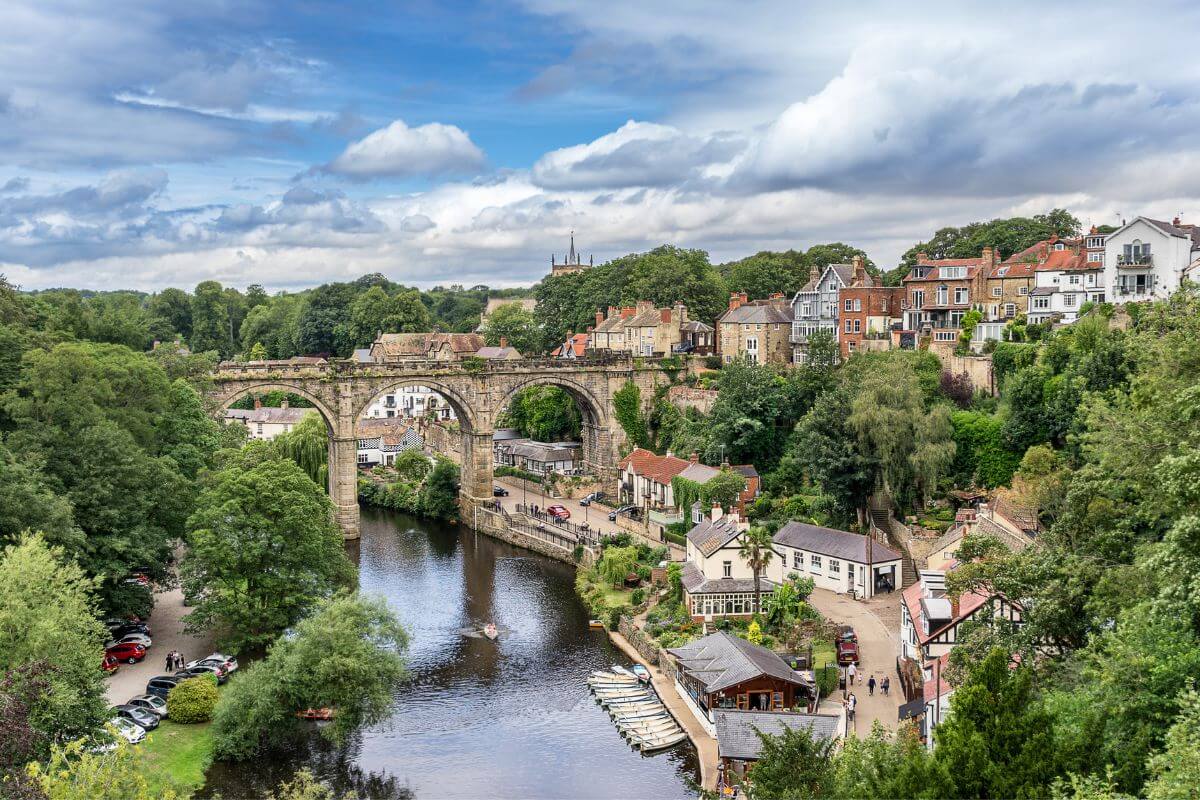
<point x="513" y="472"/>
<point x="827" y="679"/>
<point x="577" y="553"/>
<point x="193" y="700"/>
<point x="712" y="362"/>
<point x="614" y="617"/>
<point x="638" y="597"/>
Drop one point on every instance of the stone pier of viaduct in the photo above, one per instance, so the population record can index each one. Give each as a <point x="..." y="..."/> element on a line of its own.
<point x="478" y="391"/>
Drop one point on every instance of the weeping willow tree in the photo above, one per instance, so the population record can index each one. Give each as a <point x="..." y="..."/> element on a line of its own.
<point x="308" y="445"/>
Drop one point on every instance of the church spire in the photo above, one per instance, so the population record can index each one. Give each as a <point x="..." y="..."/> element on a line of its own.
<point x="571" y="257"/>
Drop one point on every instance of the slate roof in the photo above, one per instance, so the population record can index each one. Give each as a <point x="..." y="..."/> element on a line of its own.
<point x="700" y="473"/>
<point x="830" y="542"/>
<point x="542" y="451"/>
<point x="736" y="737"/>
<point x="708" y="537"/>
<point x="758" y="312"/>
<point x="721" y="660"/>
<point x="418" y="344"/>
<point x="277" y="416"/>
<point x="746" y="470"/>
<point x="370" y="427"/>
<point x="695" y="583"/>
<point x="498" y="353"/>
<point x="615" y="321"/>
<point x="695" y="326"/>
<point x="363" y="355"/>
<point x="506" y="434"/>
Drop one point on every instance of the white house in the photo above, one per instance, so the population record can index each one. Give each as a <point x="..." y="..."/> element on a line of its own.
<point x="266" y="422"/>
<point x="1146" y="259"/>
<point x="836" y="560"/>
<point x="1064" y="280"/>
<point x="410" y="401"/>
<point x="380" y="440"/>
<point x="717" y="581"/>
<point x="564" y="458"/>
<point x="930" y="619"/>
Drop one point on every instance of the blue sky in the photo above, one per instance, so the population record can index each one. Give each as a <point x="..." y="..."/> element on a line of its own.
<point x="293" y="143"/>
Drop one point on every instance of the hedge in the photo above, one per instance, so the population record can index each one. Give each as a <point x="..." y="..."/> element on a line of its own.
<point x="193" y="700"/>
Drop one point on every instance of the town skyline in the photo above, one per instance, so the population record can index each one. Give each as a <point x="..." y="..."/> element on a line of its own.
<point x="290" y="147"/>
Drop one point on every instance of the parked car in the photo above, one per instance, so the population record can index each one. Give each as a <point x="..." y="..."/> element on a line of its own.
<point x="138" y="579"/>
<point x="129" y="731"/>
<point x="228" y="662"/>
<point x="137" y="638"/>
<point x="558" y="512"/>
<point x="592" y="498"/>
<point x="847" y="652"/>
<point x="633" y="512"/>
<point x="110" y="664"/>
<point x="151" y="703"/>
<point x="139" y="716"/>
<point x="126" y="628"/>
<point x="499" y="491"/>
<point x="162" y="685"/>
<point x="129" y="652"/>
<point x="846" y="634"/>
<point x="215" y="670"/>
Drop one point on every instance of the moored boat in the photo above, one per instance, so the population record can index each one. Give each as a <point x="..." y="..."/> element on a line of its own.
<point x="490" y="630"/>
<point x="641" y="672"/>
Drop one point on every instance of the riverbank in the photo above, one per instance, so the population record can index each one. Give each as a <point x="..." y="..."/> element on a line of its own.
<point x="176" y="757"/>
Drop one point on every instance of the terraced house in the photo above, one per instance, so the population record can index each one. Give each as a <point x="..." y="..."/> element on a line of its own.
<point x="866" y="310"/>
<point x="758" y="330"/>
<point x="815" y="306"/>
<point x="939" y="292"/>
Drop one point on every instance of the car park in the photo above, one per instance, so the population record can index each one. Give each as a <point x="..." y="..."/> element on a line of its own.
<point x="228" y="662"/>
<point x="558" y="512"/>
<point x="139" y="716"/>
<point x="129" y="731"/>
<point x="125" y="628"/>
<point x="151" y="703"/>
<point x="162" y="685"/>
<point x="129" y="652"/>
<point x="594" y="497"/>
<point x="110" y="664"/>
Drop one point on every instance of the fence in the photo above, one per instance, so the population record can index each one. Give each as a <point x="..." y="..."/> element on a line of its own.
<point x="580" y="534"/>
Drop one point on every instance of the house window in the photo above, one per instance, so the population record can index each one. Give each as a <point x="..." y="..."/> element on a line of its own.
<point x="960" y="295"/>
<point x="806" y="309"/>
<point x="953" y="272"/>
<point x="752" y="350"/>
<point x="835" y="566"/>
<point x="847" y="326"/>
<point x="259" y="426"/>
<point x="1095" y="241"/>
<point x="1041" y="303"/>
<point x="942" y="294"/>
<point x="1024" y="290"/>
<point x="727" y="568"/>
<point x="849" y="304"/>
<point x="362" y="458"/>
<point x="997" y="291"/>
<point x="1069" y="300"/>
<point x="814" y="563"/>
<point x="918" y="299"/>
<point x="850" y="346"/>
<point x="797" y="560"/>
<point x="945" y="336"/>
<point x="858" y="326"/>
<point x="1060" y="246"/>
<point x="1010" y="310"/>
<point x="1096" y="258"/>
<point x="1073" y="280"/>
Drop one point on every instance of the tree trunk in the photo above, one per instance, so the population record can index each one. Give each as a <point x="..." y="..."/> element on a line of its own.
<point x="757" y="592"/>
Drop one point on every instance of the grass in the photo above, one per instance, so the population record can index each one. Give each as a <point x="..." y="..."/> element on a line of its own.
<point x="614" y="597"/>
<point x="823" y="652"/>
<point x="176" y="757"/>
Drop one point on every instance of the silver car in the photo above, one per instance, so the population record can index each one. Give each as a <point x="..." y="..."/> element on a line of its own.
<point x="150" y="702"/>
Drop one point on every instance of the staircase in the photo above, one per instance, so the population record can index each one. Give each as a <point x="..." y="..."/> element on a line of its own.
<point x="881" y="519"/>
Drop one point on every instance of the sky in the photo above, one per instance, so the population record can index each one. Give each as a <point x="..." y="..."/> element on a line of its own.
<point x="148" y="144"/>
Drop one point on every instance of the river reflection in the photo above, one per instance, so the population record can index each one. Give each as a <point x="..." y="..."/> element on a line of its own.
<point x="479" y="718"/>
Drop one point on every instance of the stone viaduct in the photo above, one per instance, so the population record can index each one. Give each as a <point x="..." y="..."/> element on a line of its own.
<point x="478" y="391"/>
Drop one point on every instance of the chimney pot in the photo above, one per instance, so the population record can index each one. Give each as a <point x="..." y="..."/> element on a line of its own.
<point x="922" y="256"/>
<point x="716" y="512"/>
<point x="1175" y="221"/>
<point x="599" y="317"/>
<point x="258" y="402"/>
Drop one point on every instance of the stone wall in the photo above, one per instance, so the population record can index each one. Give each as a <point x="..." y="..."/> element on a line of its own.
<point x="638" y="640"/>
<point x="441" y="439"/>
<point x="492" y="524"/>
<point x="979" y="368"/>
<point x="683" y="397"/>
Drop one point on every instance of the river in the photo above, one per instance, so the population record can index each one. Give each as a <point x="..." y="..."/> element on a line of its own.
<point x="479" y="718"/>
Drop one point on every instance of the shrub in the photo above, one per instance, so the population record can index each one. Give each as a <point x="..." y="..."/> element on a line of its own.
<point x="638" y="596"/>
<point x="614" y="617"/>
<point x="827" y="679"/>
<point x="193" y="700"/>
<point x="577" y="553"/>
<point x="712" y="362"/>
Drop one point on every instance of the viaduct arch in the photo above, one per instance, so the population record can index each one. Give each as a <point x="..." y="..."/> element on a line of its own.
<point x="341" y="391"/>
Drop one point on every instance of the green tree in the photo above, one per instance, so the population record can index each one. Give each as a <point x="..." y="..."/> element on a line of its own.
<point x="258" y="352"/>
<point x="793" y="765"/>
<point x="263" y="550"/>
<point x="193" y="700"/>
<point x="307" y="444"/>
<point x="828" y="450"/>
<point x="757" y="550"/>
<point x="515" y="325"/>
<point x="756" y="408"/>
<point x="210" y="320"/>
<point x="74" y="773"/>
<point x="348" y="656"/>
<point x="375" y="311"/>
<point x="324" y="323"/>
<point x="627" y="406"/>
<point x="439" y="495"/>
<point x="765" y="273"/>
<point x="28" y="503"/>
<point x="412" y="465"/>
<point x="881" y="766"/>
<point x="1176" y="770"/>
<point x="274" y="324"/>
<point x="616" y="563"/>
<point x="981" y="452"/>
<point x="545" y="414"/>
<point x="724" y="488"/>
<point x="48" y="614"/>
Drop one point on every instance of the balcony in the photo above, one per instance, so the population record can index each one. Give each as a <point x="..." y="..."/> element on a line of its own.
<point x="1136" y="261"/>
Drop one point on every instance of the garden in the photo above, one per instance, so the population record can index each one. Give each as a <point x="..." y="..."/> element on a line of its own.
<point x="620" y="580"/>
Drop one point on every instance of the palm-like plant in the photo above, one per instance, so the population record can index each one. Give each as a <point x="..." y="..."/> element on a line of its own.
<point x="757" y="552"/>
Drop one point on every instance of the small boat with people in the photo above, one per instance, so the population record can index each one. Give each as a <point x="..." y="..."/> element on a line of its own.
<point x="491" y="631"/>
<point x="316" y="714"/>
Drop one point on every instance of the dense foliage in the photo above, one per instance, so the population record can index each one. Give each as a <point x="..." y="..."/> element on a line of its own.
<point x="193" y="700"/>
<point x="544" y="414"/>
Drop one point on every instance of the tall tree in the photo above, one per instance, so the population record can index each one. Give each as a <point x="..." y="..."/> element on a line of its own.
<point x="374" y="311"/>
<point x="210" y="320"/>
<point x="514" y="324"/>
<point x="757" y="551"/>
<point x="263" y="550"/>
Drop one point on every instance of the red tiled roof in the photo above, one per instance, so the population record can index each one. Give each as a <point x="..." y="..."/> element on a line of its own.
<point x="968" y="603"/>
<point x="660" y="469"/>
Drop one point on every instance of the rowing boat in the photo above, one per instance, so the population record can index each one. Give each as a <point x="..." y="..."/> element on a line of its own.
<point x="617" y="668"/>
<point x="650" y="744"/>
<point x="650" y="727"/>
<point x="641" y="716"/>
<point x="641" y="672"/>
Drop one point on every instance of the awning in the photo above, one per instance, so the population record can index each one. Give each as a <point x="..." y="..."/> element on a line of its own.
<point x="913" y="708"/>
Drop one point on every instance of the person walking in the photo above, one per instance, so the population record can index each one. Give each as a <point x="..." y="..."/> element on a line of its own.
<point x="851" y="671"/>
<point x="871" y="686"/>
<point x="851" y="705"/>
<point x="170" y="660"/>
<point x="886" y="685"/>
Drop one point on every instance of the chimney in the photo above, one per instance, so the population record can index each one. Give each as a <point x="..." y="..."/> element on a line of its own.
<point x="612" y="310"/>
<point x="860" y="271"/>
<point x="681" y="312"/>
<point x="1176" y="221"/>
<point x="814" y="274"/>
<point x="735" y="301"/>
<point x="504" y="341"/>
<point x="694" y="457"/>
<point x="745" y="299"/>
<point x="716" y="513"/>
<point x="599" y="318"/>
<point x="257" y="403"/>
<point x="776" y="296"/>
<point x="664" y="314"/>
<point x="922" y="256"/>
<point x="987" y="255"/>
<point x="643" y="305"/>
<point x="283" y="403"/>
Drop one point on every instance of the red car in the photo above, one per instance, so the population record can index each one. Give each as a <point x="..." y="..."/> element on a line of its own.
<point x="847" y="652"/>
<point x="110" y="664"/>
<point x="131" y="652"/>
<point x="558" y="512"/>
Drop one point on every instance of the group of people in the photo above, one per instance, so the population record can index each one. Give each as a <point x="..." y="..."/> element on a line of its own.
<point x="885" y="685"/>
<point x="175" y="660"/>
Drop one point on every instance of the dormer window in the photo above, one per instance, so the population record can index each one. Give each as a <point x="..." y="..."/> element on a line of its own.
<point x="950" y="273"/>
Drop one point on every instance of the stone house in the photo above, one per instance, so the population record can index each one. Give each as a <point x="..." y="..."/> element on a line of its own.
<point x="758" y="330"/>
<point x="391" y="348"/>
<point x="264" y="422"/>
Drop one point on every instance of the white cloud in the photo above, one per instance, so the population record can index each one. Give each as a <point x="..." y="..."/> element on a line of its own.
<point x="401" y="151"/>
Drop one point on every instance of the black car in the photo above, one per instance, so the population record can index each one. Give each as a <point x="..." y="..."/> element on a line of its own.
<point x="499" y="491"/>
<point x="140" y="716"/>
<point x="594" y="497"/>
<point x="162" y="685"/>
<point x="203" y="669"/>
<point x="633" y="512"/>
<point x="124" y="629"/>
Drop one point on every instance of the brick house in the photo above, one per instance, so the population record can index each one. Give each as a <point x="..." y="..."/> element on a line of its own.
<point x="758" y="330"/>
<point x="939" y="292"/>
<point x="865" y="309"/>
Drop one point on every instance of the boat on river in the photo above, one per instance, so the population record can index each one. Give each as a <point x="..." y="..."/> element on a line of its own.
<point x="617" y="668"/>
<point x="652" y="744"/>
<point x="491" y="631"/>
<point x="595" y="624"/>
<point x="641" y="672"/>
